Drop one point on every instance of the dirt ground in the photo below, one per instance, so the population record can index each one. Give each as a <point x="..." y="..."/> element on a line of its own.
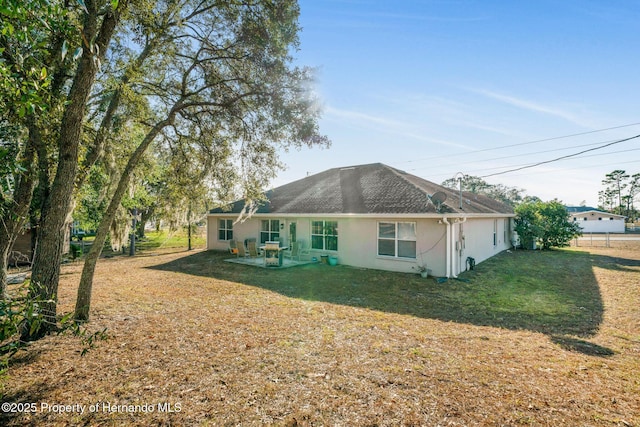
<point x="189" y="349"/>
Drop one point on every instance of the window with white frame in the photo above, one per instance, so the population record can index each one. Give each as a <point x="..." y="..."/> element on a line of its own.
<point x="495" y="232"/>
<point x="225" y="229"/>
<point x="270" y="230"/>
<point x="397" y="239"/>
<point x="324" y="235"/>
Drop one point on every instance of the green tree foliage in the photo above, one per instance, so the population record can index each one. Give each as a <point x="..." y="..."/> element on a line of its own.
<point x="508" y="195"/>
<point x="615" y="183"/>
<point x="31" y="76"/>
<point x="215" y="87"/>
<point x="546" y="223"/>
<point x="212" y="80"/>
<point x="619" y="193"/>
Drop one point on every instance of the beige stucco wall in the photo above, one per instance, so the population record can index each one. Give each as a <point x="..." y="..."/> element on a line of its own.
<point x="479" y="240"/>
<point x="358" y="240"/>
<point x="358" y="245"/>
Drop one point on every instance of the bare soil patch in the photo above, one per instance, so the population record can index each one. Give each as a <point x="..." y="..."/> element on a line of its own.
<point x="197" y="341"/>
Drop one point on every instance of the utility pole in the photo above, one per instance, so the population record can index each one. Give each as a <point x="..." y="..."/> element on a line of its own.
<point x="189" y="225"/>
<point x="460" y="176"/>
<point x="132" y="246"/>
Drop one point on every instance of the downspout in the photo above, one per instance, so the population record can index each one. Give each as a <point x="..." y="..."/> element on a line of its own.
<point x="448" y="246"/>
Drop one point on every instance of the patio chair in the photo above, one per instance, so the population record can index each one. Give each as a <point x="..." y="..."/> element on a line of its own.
<point x="303" y="249"/>
<point x="242" y="252"/>
<point x="293" y="251"/>
<point x="233" y="247"/>
<point x="253" y="249"/>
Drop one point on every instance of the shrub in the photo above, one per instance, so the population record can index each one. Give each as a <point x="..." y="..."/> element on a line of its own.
<point x="545" y="222"/>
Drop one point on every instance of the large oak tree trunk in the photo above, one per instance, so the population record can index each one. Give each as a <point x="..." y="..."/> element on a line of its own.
<point x="48" y="255"/>
<point x="83" y="301"/>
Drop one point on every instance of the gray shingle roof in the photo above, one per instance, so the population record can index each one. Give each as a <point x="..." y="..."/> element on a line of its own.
<point x="580" y="209"/>
<point x="368" y="189"/>
<point x="584" y="209"/>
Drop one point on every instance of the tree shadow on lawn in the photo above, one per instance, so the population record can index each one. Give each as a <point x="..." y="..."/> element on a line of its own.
<point x="551" y="292"/>
<point x="24" y="404"/>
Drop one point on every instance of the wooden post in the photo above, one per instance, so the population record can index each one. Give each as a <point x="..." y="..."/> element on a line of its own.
<point x="132" y="246"/>
<point x="189" y="227"/>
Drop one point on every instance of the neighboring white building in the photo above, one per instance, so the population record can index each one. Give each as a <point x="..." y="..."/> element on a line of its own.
<point x="373" y="216"/>
<point x="596" y="221"/>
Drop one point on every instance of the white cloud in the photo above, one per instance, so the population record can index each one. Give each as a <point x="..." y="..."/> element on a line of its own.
<point x="536" y="107"/>
<point x="408" y="130"/>
<point x="362" y="117"/>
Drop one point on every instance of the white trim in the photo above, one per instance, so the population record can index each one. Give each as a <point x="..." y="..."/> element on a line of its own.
<point x="396" y="239"/>
<point x="371" y="215"/>
<point x="391" y="258"/>
<point x="574" y="214"/>
<point x="218" y="229"/>
<point x="324" y="236"/>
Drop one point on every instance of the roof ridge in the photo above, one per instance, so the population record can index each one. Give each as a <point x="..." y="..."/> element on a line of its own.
<point x="402" y="174"/>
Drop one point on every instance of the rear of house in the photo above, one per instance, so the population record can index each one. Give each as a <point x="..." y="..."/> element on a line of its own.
<point x="373" y="216"/>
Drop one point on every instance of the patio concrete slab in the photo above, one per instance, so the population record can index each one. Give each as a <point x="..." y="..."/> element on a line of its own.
<point x="259" y="262"/>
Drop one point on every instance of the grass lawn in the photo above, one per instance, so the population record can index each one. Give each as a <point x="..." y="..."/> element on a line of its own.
<point x="527" y="338"/>
<point x="161" y="240"/>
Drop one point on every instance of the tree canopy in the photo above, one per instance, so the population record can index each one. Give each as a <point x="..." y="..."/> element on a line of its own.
<point x="546" y="223"/>
<point x="620" y="192"/>
<point x="508" y="195"/>
<point x="211" y="86"/>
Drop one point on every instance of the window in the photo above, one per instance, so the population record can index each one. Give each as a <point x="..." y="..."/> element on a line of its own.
<point x="324" y="235"/>
<point x="397" y="239"/>
<point x="495" y="232"/>
<point x="610" y="219"/>
<point x="225" y="229"/>
<point x="270" y="230"/>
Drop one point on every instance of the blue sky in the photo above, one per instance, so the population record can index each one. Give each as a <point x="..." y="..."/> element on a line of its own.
<point x="440" y="87"/>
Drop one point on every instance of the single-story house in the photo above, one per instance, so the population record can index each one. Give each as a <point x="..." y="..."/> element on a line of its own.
<point x="22" y="250"/>
<point x="373" y="216"/>
<point x="594" y="220"/>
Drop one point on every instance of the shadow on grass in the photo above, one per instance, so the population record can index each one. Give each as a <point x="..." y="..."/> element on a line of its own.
<point x="23" y="405"/>
<point x="551" y="292"/>
<point x="582" y="346"/>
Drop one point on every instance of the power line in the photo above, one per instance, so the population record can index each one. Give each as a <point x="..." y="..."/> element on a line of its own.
<point x="519" y="155"/>
<point x="581" y="157"/>
<point x="562" y="157"/>
<point x="591" y="166"/>
<point x="528" y="142"/>
<point x="586" y="167"/>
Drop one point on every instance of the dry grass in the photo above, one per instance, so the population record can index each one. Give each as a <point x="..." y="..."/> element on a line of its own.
<point x="320" y="345"/>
